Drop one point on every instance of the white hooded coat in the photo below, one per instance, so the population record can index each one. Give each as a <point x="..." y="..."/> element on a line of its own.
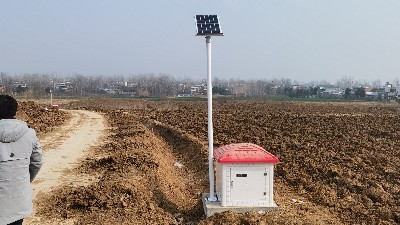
<point x="20" y="161"/>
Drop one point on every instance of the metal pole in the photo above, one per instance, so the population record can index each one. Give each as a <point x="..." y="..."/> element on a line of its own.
<point x="210" y="124"/>
<point x="51" y="98"/>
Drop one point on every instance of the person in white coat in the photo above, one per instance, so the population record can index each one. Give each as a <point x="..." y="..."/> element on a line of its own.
<point x="20" y="161"/>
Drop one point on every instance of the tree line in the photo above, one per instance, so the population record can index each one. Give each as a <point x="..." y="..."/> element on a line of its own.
<point x="163" y="85"/>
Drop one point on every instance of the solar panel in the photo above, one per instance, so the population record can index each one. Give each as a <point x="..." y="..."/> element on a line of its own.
<point x="208" y="25"/>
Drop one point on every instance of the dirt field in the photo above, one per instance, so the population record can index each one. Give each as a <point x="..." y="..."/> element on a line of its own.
<point x="339" y="162"/>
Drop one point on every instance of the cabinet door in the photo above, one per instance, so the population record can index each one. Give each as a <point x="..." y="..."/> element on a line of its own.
<point x="248" y="184"/>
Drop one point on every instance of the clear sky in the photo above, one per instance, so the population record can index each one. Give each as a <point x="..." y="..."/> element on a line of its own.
<point x="264" y="39"/>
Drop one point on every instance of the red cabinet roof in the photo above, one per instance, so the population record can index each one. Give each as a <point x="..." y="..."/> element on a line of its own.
<point x="243" y="153"/>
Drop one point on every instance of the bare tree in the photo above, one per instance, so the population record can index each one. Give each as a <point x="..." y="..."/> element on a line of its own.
<point x="377" y="83"/>
<point x="345" y="82"/>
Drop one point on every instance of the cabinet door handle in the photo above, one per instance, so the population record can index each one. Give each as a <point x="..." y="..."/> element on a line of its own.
<point x="231" y="183"/>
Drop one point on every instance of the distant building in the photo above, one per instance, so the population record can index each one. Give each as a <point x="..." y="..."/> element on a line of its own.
<point x="330" y="91"/>
<point x="398" y="91"/>
<point x="61" y="86"/>
<point x="198" y="89"/>
<point x="185" y="95"/>
<point x="19" y="88"/>
<point x="107" y="91"/>
<point x="239" y="91"/>
<point x="388" y="86"/>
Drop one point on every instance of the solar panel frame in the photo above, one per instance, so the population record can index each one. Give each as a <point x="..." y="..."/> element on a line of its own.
<point x="208" y="25"/>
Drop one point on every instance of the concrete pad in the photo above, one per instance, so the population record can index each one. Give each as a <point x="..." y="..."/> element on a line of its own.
<point x="215" y="207"/>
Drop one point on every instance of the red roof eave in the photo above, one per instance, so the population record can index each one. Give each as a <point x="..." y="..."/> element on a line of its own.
<point x="243" y="153"/>
<point x="230" y="160"/>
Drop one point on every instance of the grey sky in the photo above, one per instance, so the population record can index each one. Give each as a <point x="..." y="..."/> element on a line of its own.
<point x="302" y="40"/>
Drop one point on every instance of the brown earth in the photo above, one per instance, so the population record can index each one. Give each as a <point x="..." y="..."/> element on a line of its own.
<point x="39" y="117"/>
<point x="339" y="163"/>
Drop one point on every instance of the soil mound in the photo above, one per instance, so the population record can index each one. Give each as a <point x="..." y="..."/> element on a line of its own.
<point x="42" y="119"/>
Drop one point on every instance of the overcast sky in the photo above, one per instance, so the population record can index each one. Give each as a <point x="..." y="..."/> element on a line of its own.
<point x="303" y="40"/>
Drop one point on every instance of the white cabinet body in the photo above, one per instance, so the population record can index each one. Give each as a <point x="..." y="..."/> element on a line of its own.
<point x="245" y="184"/>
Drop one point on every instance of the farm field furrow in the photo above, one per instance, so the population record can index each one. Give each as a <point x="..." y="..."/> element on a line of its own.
<point x="338" y="162"/>
<point x="342" y="156"/>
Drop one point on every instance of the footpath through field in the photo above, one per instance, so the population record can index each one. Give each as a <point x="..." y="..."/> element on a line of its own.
<point x="62" y="149"/>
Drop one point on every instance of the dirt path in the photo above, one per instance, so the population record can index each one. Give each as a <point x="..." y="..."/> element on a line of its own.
<point x="62" y="150"/>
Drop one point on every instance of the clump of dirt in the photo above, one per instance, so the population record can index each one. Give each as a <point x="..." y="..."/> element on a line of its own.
<point x="120" y="162"/>
<point x="111" y="200"/>
<point x="42" y="119"/>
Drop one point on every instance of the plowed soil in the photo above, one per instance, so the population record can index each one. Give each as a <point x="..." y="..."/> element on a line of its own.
<point x="39" y="117"/>
<point x="339" y="163"/>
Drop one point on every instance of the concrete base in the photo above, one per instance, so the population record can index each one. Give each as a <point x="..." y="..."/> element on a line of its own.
<point x="215" y="207"/>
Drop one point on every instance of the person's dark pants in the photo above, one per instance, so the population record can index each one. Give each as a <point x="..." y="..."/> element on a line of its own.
<point x="18" y="222"/>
